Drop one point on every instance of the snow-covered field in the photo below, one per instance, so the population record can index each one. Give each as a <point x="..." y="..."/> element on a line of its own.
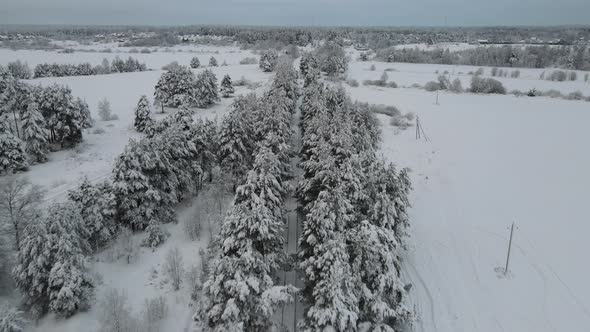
<point x="489" y="161"/>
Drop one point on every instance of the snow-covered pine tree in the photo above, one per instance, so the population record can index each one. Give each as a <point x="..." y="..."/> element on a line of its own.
<point x="240" y="293"/>
<point x="137" y="200"/>
<point x="13" y="157"/>
<point x="34" y="133"/>
<point x="172" y="84"/>
<point x="143" y="114"/>
<point x="204" y="137"/>
<point x="195" y="63"/>
<point x="329" y="294"/>
<point x="213" y="62"/>
<point x="236" y="138"/>
<point x="308" y="61"/>
<point x="34" y="262"/>
<point x="70" y="284"/>
<point x="97" y="209"/>
<point x="268" y="61"/>
<point x="52" y="266"/>
<point x="226" y="87"/>
<point x="205" y="91"/>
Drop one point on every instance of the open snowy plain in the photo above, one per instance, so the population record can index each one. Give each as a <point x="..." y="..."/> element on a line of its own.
<point x="489" y="161"/>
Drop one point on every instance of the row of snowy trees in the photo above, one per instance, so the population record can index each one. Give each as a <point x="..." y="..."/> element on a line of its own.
<point x="116" y="66"/>
<point x="355" y="217"/>
<point x="33" y="118"/>
<point x="241" y="293"/>
<point x="570" y="57"/>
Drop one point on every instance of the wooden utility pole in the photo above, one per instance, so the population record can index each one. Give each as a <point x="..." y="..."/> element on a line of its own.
<point x="417" y="127"/>
<point x="509" y="247"/>
<point x="437" y="97"/>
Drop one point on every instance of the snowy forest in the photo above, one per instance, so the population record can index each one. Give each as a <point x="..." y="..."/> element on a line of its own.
<point x="253" y="178"/>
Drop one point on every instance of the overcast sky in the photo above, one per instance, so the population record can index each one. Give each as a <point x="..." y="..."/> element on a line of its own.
<point x="297" y="12"/>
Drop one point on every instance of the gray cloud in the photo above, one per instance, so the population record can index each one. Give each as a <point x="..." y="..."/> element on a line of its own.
<point x="302" y="12"/>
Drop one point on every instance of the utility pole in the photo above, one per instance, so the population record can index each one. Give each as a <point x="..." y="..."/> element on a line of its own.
<point x="417" y="127"/>
<point x="509" y="247"/>
<point x="437" y="97"/>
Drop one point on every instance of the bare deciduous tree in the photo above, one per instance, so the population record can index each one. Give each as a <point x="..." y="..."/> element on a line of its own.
<point x="18" y="201"/>
<point x="174" y="268"/>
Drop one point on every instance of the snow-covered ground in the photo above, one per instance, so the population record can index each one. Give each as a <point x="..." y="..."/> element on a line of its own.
<point x="491" y="161"/>
<point x="406" y="74"/>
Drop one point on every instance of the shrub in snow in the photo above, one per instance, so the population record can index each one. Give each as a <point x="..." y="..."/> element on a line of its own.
<point x="226" y="87"/>
<point x="195" y="63"/>
<point x="486" y="85"/>
<point x="156" y="235"/>
<point x="192" y="280"/>
<point x="11" y="319"/>
<point x="192" y="227"/>
<point x="52" y="266"/>
<point x="172" y="66"/>
<point x="13" y="156"/>
<point x="576" y="95"/>
<point x="586" y="77"/>
<point x="353" y="83"/>
<point x="174" y="268"/>
<point x="572" y="76"/>
<point x="143" y="114"/>
<point x="114" y="313"/>
<point x="268" y="61"/>
<point x="104" y="111"/>
<point x="401" y="122"/>
<point x="494" y="71"/>
<point x="515" y="74"/>
<point x="34" y="133"/>
<point x="456" y="86"/>
<point x="364" y="56"/>
<point x="557" y="75"/>
<point x="432" y="86"/>
<point x="213" y="62"/>
<point x="248" y="61"/>
<point x="154" y="311"/>
<point x="372" y="68"/>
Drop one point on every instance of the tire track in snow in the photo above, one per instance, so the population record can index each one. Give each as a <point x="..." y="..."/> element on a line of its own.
<point x="413" y="274"/>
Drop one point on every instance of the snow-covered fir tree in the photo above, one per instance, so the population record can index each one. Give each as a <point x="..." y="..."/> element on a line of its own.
<point x="227" y="90"/>
<point x="143" y="114"/>
<point x="195" y="63"/>
<point x="52" y="266"/>
<point x="213" y="62"/>
<point x="268" y="61"/>
<point x="205" y="91"/>
<point x="97" y="209"/>
<point x="34" y="133"/>
<point x="13" y="156"/>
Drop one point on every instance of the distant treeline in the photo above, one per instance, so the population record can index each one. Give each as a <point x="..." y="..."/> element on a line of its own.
<point x="570" y="57"/>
